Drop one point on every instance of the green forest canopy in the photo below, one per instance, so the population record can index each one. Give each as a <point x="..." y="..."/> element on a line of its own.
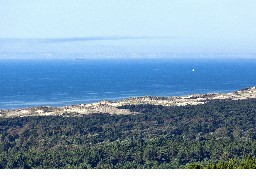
<point x="219" y="134"/>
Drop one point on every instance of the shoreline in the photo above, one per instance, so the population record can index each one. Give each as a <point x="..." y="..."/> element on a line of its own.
<point x="112" y="107"/>
<point x="76" y="102"/>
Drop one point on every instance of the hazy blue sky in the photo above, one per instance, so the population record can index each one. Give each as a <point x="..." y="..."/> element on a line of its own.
<point x="213" y="24"/>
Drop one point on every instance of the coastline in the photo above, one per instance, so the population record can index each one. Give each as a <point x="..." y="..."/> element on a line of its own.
<point x="112" y="107"/>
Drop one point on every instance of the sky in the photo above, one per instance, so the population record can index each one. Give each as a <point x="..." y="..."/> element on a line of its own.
<point x="183" y="25"/>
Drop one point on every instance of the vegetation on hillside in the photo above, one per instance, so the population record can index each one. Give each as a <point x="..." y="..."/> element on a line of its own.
<point x="219" y="134"/>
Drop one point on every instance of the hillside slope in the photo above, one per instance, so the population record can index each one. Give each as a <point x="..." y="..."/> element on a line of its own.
<point x="217" y="134"/>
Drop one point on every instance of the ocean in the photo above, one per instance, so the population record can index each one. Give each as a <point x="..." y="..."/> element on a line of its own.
<point x="30" y="83"/>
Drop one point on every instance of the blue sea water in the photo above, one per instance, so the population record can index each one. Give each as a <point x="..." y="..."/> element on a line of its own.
<point x="27" y="83"/>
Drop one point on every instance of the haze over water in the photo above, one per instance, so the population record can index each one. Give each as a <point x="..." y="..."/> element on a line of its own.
<point x="109" y="32"/>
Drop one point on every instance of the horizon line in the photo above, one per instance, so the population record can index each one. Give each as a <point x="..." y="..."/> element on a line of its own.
<point x="89" y="38"/>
